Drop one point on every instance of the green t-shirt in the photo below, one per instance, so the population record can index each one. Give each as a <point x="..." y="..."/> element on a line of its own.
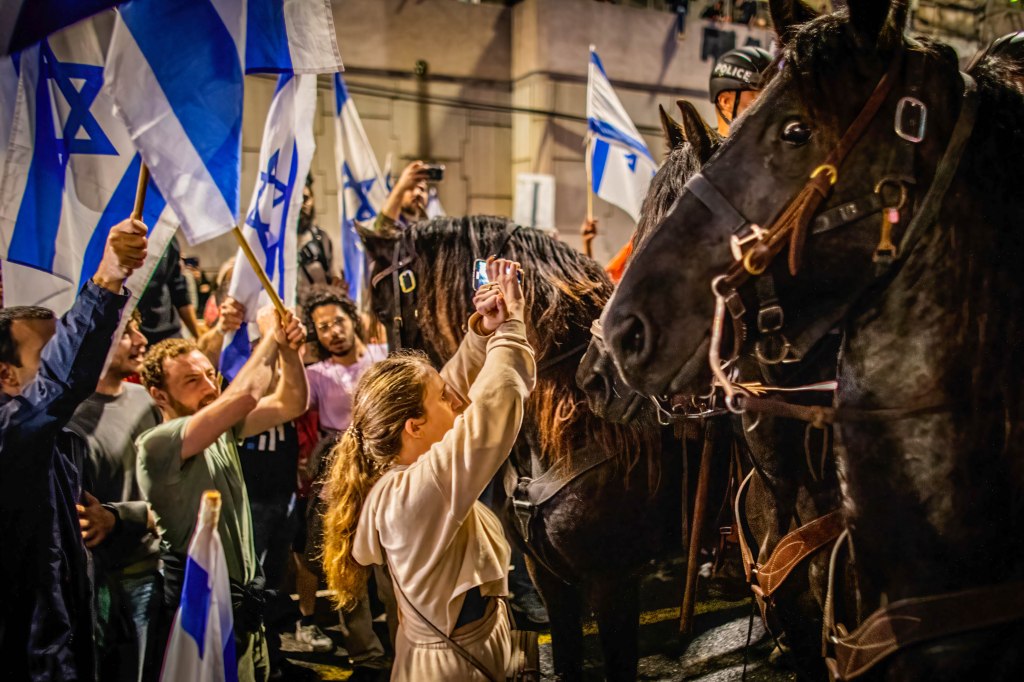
<point x="175" y="489"/>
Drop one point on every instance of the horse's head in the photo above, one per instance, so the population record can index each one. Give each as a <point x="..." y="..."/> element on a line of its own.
<point x="393" y="269"/>
<point x="690" y="144"/>
<point x="807" y="172"/>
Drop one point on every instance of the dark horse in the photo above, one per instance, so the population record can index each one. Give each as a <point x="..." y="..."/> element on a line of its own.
<point x="607" y="497"/>
<point x="794" y="477"/>
<point x="928" y="412"/>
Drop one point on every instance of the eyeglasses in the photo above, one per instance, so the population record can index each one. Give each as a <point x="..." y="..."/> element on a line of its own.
<point x="338" y="322"/>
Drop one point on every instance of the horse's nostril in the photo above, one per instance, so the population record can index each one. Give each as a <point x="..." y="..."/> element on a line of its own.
<point x="634" y="338"/>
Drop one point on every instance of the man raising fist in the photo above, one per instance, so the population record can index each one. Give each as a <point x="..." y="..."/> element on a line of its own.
<point x="48" y="367"/>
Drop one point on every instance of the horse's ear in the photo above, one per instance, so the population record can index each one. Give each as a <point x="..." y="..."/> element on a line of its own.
<point x="869" y="19"/>
<point x="377" y="242"/>
<point x="702" y="138"/>
<point x="674" y="135"/>
<point x="788" y="14"/>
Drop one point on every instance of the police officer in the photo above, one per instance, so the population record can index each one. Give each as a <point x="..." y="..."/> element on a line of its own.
<point x="735" y="83"/>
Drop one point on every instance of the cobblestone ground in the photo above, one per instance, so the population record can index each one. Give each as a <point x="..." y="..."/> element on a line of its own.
<point x="717" y="651"/>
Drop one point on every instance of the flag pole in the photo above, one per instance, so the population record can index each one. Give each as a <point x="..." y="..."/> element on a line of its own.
<point x="140" y="192"/>
<point x="588" y="240"/>
<point x="258" y="269"/>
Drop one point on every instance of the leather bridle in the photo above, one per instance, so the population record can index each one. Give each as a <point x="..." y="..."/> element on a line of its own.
<point x="403" y="281"/>
<point x="754" y="248"/>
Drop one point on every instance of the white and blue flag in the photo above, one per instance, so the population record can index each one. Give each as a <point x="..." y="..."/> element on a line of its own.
<point x="363" y="187"/>
<point x="70" y="173"/>
<point x="270" y="224"/>
<point x="202" y="643"/>
<point x="183" y="103"/>
<point x="621" y="165"/>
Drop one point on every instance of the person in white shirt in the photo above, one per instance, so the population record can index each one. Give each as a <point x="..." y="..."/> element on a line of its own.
<point x="405" y="479"/>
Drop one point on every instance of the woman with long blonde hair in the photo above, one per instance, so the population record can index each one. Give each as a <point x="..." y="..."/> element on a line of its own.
<point x="404" y="483"/>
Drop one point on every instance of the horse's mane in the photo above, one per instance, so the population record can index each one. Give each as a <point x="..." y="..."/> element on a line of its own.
<point x="565" y="291"/>
<point x="666" y="186"/>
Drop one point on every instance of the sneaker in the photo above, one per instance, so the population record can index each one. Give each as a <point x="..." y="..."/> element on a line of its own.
<point x="312" y="638"/>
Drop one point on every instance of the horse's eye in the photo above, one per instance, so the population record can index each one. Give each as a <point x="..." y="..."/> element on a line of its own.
<point x="796" y="133"/>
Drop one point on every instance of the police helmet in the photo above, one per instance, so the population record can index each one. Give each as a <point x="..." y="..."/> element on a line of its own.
<point x="739" y="69"/>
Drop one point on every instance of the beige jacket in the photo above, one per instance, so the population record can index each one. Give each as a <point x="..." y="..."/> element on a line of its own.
<point x="438" y="539"/>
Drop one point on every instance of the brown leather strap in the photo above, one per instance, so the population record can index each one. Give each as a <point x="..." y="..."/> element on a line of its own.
<point x="795" y="547"/>
<point x="749" y="563"/>
<point x="912" y="621"/>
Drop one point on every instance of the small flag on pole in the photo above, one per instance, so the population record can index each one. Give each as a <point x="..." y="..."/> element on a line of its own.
<point x="285" y="158"/>
<point x="202" y="643"/>
<point x="363" y="188"/>
<point x="621" y="165"/>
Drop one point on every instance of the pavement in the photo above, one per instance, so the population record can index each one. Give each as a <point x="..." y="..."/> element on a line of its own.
<point x="717" y="651"/>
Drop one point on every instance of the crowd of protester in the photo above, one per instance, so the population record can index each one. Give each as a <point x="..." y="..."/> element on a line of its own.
<point x="337" y="464"/>
<point x="106" y="465"/>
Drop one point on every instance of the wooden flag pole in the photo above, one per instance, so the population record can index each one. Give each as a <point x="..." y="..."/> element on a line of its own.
<point x="258" y="269"/>
<point x="140" y="192"/>
<point x="588" y="240"/>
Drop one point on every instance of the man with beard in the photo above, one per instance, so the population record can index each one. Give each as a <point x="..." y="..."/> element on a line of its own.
<point x="195" y="450"/>
<point x="332" y="383"/>
<point x="116" y="522"/>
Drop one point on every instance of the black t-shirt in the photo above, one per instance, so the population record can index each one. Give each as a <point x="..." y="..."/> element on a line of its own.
<point x="269" y="463"/>
<point x="167" y="291"/>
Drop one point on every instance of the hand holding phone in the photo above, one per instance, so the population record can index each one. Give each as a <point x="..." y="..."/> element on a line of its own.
<point x="480" y="277"/>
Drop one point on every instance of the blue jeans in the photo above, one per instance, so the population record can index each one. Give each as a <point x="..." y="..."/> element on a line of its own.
<point x="129" y="617"/>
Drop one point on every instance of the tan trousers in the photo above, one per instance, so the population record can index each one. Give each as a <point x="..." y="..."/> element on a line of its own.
<point x="488" y="639"/>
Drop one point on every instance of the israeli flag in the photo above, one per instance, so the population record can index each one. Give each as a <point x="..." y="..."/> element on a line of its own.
<point x="70" y="173"/>
<point x="363" y="188"/>
<point x="285" y="158"/>
<point x="621" y="165"/>
<point x="202" y="643"/>
<point x="182" y="103"/>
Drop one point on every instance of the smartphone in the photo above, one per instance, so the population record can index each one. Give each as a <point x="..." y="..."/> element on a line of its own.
<point x="435" y="171"/>
<point x="480" y="274"/>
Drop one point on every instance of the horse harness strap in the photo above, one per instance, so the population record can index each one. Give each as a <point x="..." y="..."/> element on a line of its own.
<point x="924" y="216"/>
<point x="767" y="578"/>
<point x="920" y="619"/>
<point x="403" y="281"/>
<point x="528" y="494"/>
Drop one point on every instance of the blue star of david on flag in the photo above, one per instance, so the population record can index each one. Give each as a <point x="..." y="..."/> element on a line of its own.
<point x="361" y="188"/>
<point x="268" y="178"/>
<point x="271" y="193"/>
<point x="81" y="133"/>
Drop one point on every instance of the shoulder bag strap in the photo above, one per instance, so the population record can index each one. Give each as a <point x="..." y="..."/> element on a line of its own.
<point x="456" y="647"/>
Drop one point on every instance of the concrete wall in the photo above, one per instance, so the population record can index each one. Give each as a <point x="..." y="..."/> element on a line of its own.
<point x="531" y="56"/>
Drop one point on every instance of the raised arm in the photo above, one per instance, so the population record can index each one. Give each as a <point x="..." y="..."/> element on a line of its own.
<point x="72" y="361"/>
<point x="291" y="395"/>
<point x="469" y="455"/>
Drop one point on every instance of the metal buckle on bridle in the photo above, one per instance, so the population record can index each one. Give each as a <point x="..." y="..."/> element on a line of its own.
<point x="736" y="243"/>
<point x="407" y="281"/>
<point x="911" y="119"/>
<point x="783" y="355"/>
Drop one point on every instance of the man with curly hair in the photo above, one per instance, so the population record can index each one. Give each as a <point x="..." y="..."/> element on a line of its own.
<point x="332" y="383"/>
